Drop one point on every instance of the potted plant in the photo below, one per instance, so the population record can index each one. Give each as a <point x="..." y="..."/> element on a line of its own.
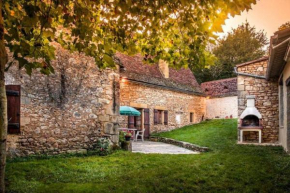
<point x="128" y="136"/>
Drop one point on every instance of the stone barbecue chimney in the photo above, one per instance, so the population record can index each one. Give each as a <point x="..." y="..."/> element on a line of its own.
<point x="250" y="119"/>
<point x="251" y="109"/>
<point x="164" y="69"/>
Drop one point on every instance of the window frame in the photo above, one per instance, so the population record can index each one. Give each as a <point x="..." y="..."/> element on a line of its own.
<point x="159" y="117"/>
<point x="191" y="117"/>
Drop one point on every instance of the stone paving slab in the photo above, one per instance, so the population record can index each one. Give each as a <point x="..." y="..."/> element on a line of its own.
<point x="159" y="148"/>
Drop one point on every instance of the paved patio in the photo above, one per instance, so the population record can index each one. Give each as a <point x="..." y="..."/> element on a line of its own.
<point x="159" y="148"/>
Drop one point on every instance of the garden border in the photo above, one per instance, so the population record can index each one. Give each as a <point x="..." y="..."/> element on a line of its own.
<point x="183" y="144"/>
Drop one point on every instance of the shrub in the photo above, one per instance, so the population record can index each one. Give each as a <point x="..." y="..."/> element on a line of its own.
<point x="102" y="147"/>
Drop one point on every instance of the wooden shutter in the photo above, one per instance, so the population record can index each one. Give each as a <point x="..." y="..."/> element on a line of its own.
<point x="13" y="108"/>
<point x="146" y="123"/>
<point x="165" y="117"/>
<point x="155" y="117"/>
<point x="131" y="122"/>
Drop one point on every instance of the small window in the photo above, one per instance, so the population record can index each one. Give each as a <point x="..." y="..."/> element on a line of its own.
<point x="13" y="108"/>
<point x="191" y="117"/>
<point x="206" y="90"/>
<point x="165" y="117"/>
<point x="160" y="117"/>
<point x="225" y="87"/>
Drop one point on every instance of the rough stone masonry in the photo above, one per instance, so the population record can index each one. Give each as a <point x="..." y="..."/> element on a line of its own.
<point x="266" y="93"/>
<point x="67" y="111"/>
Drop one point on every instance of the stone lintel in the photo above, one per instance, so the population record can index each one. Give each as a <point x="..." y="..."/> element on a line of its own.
<point x="139" y="105"/>
<point x="160" y="108"/>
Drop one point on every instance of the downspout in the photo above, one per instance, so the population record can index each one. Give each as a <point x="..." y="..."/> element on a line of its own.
<point x="250" y="75"/>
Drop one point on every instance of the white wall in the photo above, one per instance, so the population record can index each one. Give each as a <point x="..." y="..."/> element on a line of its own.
<point x="222" y="107"/>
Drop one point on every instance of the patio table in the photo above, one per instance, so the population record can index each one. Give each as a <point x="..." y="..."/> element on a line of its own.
<point x="130" y="129"/>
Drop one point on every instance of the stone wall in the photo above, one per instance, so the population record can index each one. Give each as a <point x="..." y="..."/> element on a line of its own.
<point x="222" y="107"/>
<point x="178" y="104"/>
<point x="66" y="111"/>
<point x="183" y="144"/>
<point x="266" y="101"/>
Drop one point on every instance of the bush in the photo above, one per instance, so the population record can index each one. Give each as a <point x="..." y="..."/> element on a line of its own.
<point x="121" y="137"/>
<point x="102" y="147"/>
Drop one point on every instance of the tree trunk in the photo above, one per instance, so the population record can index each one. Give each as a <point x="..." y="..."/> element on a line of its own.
<point x="3" y="105"/>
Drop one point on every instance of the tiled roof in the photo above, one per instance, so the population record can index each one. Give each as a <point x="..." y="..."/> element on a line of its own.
<point x="137" y="70"/>
<point x="220" y="88"/>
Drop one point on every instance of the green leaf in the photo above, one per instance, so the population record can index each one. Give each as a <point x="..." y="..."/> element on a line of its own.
<point x="109" y="60"/>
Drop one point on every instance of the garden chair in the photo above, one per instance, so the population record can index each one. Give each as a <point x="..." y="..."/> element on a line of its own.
<point x="141" y="134"/>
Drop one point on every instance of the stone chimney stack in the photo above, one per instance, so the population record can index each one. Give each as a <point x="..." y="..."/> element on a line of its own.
<point x="164" y="69"/>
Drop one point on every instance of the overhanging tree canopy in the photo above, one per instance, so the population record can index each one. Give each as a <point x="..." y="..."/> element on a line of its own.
<point x="176" y="31"/>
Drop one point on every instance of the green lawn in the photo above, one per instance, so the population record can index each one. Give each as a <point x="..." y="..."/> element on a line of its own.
<point x="226" y="168"/>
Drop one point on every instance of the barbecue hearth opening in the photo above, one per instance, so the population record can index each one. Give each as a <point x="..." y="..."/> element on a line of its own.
<point x="250" y="121"/>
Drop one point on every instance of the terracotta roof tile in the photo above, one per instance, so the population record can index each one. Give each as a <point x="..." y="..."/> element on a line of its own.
<point x="136" y="69"/>
<point x="220" y="88"/>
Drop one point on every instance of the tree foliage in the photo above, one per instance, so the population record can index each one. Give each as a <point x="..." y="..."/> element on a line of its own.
<point x="284" y="26"/>
<point x="176" y="31"/>
<point x="240" y="45"/>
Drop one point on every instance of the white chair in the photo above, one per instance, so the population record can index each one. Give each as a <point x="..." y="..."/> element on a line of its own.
<point x="141" y="134"/>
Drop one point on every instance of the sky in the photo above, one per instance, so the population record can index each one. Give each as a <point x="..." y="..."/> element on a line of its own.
<point x="267" y="15"/>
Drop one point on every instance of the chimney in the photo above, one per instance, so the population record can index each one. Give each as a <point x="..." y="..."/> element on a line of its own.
<point x="163" y="67"/>
<point x="251" y="109"/>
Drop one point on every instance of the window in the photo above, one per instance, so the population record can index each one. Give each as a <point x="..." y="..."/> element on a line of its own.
<point x="191" y="117"/>
<point x="165" y="117"/>
<point x="13" y="108"/>
<point x="160" y="117"/>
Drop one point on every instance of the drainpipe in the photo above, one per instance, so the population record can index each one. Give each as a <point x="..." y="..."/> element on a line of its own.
<point x="250" y="75"/>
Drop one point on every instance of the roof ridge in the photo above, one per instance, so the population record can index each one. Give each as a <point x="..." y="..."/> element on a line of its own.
<point x="253" y="61"/>
<point x="220" y="80"/>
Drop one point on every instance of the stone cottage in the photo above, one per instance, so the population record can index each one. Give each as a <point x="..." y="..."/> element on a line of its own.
<point x="221" y="100"/>
<point x="167" y="98"/>
<point x="64" y="112"/>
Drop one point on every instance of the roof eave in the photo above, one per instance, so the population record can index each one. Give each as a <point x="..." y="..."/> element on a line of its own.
<point x="280" y="66"/>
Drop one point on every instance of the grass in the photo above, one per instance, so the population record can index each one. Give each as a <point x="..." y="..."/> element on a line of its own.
<point x="226" y="168"/>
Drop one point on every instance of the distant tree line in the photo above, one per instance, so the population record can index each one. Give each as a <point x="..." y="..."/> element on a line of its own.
<point x="240" y="45"/>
